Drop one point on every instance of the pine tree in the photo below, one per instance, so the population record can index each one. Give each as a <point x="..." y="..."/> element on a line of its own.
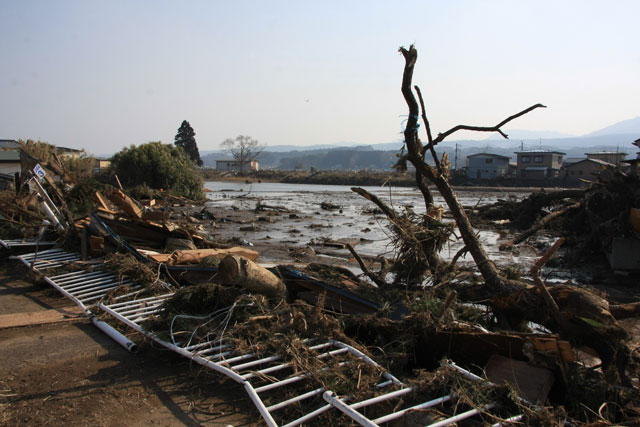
<point x="185" y="138"/>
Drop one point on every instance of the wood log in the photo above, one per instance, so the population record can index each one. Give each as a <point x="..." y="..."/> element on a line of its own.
<point x="236" y="270"/>
<point x="196" y="255"/>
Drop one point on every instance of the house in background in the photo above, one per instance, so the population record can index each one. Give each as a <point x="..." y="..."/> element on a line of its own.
<point x="9" y="156"/>
<point x="614" y="157"/>
<point x="9" y="162"/>
<point x="234" y="165"/>
<point x="69" y="152"/>
<point x="539" y="164"/>
<point x="585" y="170"/>
<point x="487" y="166"/>
<point x="101" y="164"/>
<point x="634" y="164"/>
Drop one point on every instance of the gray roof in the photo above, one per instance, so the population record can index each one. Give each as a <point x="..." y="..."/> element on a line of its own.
<point x="9" y="143"/>
<point x="600" y="162"/>
<point x="569" y="160"/>
<point x="608" y="153"/>
<point x="539" y="151"/>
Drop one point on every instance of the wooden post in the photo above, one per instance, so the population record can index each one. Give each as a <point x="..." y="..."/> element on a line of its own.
<point x="83" y="244"/>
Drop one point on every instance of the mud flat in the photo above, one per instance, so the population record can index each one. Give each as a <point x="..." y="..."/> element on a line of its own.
<point x="290" y="222"/>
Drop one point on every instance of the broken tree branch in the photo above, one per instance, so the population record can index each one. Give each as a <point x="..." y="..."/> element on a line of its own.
<point x="535" y="273"/>
<point x="424" y="189"/>
<point x="377" y="280"/>
<point x="441" y="136"/>
<point x="430" y="140"/>
<point x="538" y="225"/>
<point x="547" y="255"/>
<point x="390" y="213"/>
<point x="458" y="254"/>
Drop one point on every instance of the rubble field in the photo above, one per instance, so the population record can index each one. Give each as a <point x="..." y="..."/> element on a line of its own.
<point x="327" y="306"/>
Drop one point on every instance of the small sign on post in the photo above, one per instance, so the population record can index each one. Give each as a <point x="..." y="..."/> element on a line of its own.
<point x="39" y="171"/>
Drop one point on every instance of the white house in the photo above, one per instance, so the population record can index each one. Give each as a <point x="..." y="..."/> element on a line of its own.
<point x="234" y="165"/>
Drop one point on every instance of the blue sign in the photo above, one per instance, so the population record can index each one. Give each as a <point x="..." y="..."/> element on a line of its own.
<point x="39" y="171"/>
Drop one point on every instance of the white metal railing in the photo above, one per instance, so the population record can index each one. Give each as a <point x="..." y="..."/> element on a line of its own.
<point x="50" y="258"/>
<point x="266" y="377"/>
<point x="24" y="243"/>
<point x="84" y="287"/>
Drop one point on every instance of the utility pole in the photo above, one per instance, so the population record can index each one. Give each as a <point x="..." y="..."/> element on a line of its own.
<point x="455" y="161"/>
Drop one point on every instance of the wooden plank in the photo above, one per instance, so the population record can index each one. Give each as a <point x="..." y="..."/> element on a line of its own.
<point x="155" y="215"/>
<point x="15" y="320"/>
<point x="125" y="203"/>
<point x="102" y="201"/>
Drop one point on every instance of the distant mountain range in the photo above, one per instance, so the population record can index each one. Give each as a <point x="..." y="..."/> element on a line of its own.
<point x="623" y="127"/>
<point x="350" y="155"/>
<point x="529" y="134"/>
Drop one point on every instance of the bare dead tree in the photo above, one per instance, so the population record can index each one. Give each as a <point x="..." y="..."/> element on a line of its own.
<point x="516" y="300"/>
<point x="416" y="155"/>
<point x="244" y="149"/>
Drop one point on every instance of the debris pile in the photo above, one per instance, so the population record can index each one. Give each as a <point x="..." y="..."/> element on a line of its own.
<point x="548" y="354"/>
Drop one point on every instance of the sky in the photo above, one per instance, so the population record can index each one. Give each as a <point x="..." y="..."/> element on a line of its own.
<point x="102" y="75"/>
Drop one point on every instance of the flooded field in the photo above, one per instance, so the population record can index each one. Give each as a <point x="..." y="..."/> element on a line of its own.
<point x="300" y="220"/>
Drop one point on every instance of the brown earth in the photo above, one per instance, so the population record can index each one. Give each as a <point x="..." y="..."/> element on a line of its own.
<point x="70" y="373"/>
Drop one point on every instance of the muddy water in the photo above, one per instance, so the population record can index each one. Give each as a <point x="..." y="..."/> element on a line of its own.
<point x="352" y="221"/>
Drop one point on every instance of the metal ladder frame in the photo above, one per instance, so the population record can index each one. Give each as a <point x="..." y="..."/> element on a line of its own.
<point x="84" y="288"/>
<point x="219" y="356"/>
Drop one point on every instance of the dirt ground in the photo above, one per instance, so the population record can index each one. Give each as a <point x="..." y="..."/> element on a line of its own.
<point x="70" y="373"/>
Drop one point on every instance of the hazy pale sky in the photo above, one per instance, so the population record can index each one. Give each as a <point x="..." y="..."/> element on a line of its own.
<point x="102" y="75"/>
